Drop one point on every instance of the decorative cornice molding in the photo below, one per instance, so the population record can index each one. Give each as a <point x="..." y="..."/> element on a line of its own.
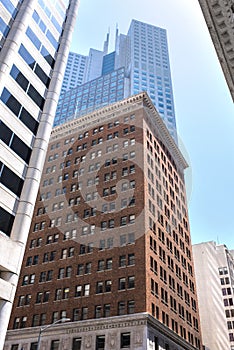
<point x="105" y="114"/>
<point x="110" y="323"/>
<point x="219" y="17"/>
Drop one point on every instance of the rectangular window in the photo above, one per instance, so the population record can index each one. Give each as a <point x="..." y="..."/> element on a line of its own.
<point x="6" y="221"/>
<point x="33" y="346"/>
<point x="100" y="342"/>
<point x="76" y="344"/>
<point x="34" y="66"/>
<point x="125" y="340"/>
<point x="106" y="311"/>
<point x="54" y="345"/>
<point x="13" y="104"/>
<point x="15" y="347"/>
<point x="84" y="313"/>
<point x="9" y="7"/>
<point x="121" y="308"/>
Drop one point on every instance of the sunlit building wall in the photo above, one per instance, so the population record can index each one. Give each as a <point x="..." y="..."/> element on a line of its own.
<point x="34" y="44"/>
<point x="214" y="268"/>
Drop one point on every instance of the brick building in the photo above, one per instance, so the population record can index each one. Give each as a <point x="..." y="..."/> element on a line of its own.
<point x="109" y="246"/>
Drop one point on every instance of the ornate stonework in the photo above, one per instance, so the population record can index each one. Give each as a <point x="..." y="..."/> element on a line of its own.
<point x="88" y="341"/>
<point x="112" y="340"/>
<point x="219" y="16"/>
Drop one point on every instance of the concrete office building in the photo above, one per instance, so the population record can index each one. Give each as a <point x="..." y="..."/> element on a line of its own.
<point x="75" y="71"/>
<point x="214" y="272"/>
<point x="219" y="16"/>
<point x="109" y="245"/>
<point x="34" y="43"/>
<point x="143" y="52"/>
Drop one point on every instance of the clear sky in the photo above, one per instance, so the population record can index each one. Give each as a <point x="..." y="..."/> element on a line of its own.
<point x="204" y="108"/>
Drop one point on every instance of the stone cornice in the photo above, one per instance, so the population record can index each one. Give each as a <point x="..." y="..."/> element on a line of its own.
<point x="117" y="322"/>
<point x="107" y="113"/>
<point x="163" y="134"/>
<point x="219" y="17"/>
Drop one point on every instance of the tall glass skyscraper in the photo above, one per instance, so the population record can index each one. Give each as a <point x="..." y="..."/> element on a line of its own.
<point x="34" y="41"/>
<point x="143" y="53"/>
<point x="150" y="69"/>
<point x="92" y="95"/>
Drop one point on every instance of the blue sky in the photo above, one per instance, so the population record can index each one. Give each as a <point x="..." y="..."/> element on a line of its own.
<point x="204" y="108"/>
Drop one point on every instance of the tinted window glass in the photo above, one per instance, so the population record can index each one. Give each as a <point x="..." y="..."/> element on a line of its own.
<point x="10" y="8"/>
<point x="36" y="16"/>
<point x="5" y="133"/>
<point x="56" y="24"/>
<point x="21" y="149"/>
<point x="10" y="101"/>
<point x="42" y="76"/>
<point x="28" y="120"/>
<point x="6" y="221"/>
<point x="4" y="28"/>
<point x="11" y="181"/>
<point x="26" y="56"/>
<point x="36" y="97"/>
<point x="34" y="39"/>
<point x="19" y="77"/>
<point x="31" y="62"/>
<point x="47" y="56"/>
<point x="15" y="107"/>
<point x="52" y="39"/>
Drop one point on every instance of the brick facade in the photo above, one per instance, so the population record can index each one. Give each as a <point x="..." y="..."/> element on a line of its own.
<point x="110" y="233"/>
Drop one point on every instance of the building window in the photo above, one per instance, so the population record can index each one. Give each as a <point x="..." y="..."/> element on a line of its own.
<point x="100" y="342"/>
<point x="21" y="113"/>
<point x="106" y="311"/>
<point x="76" y="344"/>
<point x="125" y="340"/>
<point x="55" y="316"/>
<point x="131" y="259"/>
<point x="99" y="287"/>
<point x="86" y="289"/>
<point x="84" y="313"/>
<point x="98" y="311"/>
<point x="35" y="320"/>
<point x="131" y="307"/>
<point x="15" y="347"/>
<point x="78" y="291"/>
<point x="108" y="284"/>
<point x="80" y="269"/>
<point x="131" y="282"/>
<point x="33" y="346"/>
<point x="75" y="315"/>
<point x="101" y="265"/>
<point x="54" y="345"/>
<point x="121" y="308"/>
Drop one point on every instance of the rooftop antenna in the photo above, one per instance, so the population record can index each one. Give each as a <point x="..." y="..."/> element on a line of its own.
<point x="117" y="38"/>
<point x="106" y="43"/>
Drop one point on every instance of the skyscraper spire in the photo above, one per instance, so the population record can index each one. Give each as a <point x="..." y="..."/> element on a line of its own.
<point x="117" y="39"/>
<point x="106" y="43"/>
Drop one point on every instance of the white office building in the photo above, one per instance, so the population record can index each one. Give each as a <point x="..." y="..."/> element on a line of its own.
<point x="214" y="273"/>
<point x="35" y="36"/>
